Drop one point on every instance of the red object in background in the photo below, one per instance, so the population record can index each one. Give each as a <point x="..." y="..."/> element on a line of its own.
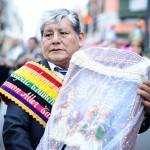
<point x="87" y="19"/>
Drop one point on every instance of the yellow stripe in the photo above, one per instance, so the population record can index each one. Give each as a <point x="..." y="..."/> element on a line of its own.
<point x="38" y="83"/>
<point x="40" y="78"/>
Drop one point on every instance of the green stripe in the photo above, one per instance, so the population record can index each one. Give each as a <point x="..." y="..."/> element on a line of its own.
<point x="34" y="88"/>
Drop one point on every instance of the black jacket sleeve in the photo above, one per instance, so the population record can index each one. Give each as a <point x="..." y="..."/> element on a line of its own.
<point x="16" y="128"/>
<point x="145" y="124"/>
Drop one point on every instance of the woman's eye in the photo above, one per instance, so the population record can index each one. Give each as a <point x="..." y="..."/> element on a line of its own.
<point x="48" y="34"/>
<point x="63" y="33"/>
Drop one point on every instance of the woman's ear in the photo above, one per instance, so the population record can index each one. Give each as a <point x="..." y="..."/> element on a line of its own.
<point x="81" y="39"/>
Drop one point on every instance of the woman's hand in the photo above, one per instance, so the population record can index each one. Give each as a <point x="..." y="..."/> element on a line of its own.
<point x="144" y="92"/>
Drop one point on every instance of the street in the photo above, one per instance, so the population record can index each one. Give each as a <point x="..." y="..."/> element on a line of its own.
<point x="2" y="112"/>
<point x="142" y="142"/>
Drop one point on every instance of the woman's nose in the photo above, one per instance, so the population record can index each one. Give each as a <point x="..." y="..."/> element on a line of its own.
<point x="56" y="38"/>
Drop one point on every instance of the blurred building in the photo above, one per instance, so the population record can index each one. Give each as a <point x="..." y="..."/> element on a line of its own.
<point x="10" y="21"/>
<point x="124" y="14"/>
<point x="2" y="6"/>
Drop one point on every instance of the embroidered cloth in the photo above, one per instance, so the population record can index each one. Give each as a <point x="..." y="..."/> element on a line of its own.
<point x="98" y="107"/>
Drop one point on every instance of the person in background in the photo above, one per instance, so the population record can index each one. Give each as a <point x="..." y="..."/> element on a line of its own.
<point x="109" y="34"/>
<point x="137" y="47"/>
<point x="32" y="53"/>
<point x="31" y="91"/>
<point x="8" y="59"/>
<point x="137" y="33"/>
<point x="134" y="46"/>
<point x="1" y="41"/>
<point x="136" y="39"/>
<point x="4" y="70"/>
<point x="15" y="50"/>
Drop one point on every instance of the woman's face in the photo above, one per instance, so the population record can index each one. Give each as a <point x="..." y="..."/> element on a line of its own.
<point x="60" y="41"/>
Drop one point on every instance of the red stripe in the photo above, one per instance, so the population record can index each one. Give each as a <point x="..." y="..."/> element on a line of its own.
<point x="44" y="74"/>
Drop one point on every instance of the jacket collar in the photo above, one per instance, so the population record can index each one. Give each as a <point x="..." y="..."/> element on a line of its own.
<point x="45" y="63"/>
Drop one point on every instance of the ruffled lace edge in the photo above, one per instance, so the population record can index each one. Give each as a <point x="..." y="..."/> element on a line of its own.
<point x="129" y="73"/>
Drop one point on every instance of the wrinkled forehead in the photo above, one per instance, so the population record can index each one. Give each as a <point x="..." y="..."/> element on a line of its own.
<point x="63" y="24"/>
<point x="55" y="19"/>
<point x="58" y="21"/>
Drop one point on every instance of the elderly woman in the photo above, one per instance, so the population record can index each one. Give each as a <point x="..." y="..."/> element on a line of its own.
<point x="31" y="91"/>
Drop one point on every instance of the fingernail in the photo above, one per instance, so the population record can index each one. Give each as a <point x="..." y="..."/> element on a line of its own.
<point x="138" y="91"/>
<point x="140" y="85"/>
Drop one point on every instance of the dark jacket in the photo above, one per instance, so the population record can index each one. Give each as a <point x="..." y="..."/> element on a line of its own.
<point x="145" y="124"/>
<point x="20" y="130"/>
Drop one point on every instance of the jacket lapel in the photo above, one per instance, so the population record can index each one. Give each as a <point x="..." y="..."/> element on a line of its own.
<point x="45" y="63"/>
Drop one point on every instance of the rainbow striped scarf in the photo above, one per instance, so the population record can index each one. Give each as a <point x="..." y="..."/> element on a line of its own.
<point x="34" y="88"/>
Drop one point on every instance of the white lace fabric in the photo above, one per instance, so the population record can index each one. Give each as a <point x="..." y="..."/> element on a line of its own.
<point x="98" y="107"/>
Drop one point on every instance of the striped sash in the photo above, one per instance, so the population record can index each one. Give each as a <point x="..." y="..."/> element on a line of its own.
<point x="34" y="88"/>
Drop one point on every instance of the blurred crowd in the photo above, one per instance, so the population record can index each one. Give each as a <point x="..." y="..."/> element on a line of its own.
<point x="134" y="42"/>
<point x="14" y="53"/>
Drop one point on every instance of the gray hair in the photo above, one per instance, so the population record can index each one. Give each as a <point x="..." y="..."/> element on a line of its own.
<point x="54" y="16"/>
